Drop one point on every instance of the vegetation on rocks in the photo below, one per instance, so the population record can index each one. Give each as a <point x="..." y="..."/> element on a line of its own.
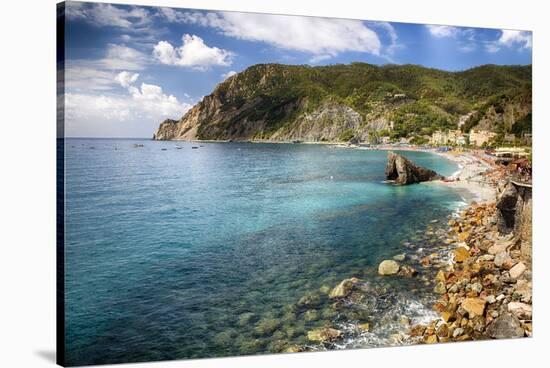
<point x="340" y="102"/>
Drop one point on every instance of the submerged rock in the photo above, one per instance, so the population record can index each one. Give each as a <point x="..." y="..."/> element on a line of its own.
<point x="399" y="257"/>
<point x="388" y="267"/>
<point x="310" y="300"/>
<point x="266" y="326"/>
<point x="343" y="289"/>
<point x="293" y="349"/>
<point x="323" y="335"/>
<point x="403" y="172"/>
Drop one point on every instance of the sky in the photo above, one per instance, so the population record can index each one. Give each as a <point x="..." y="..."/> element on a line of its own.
<point x="127" y="68"/>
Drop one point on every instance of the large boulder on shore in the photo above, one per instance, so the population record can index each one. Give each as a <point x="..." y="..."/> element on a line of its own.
<point x="402" y="171"/>
<point x="505" y="326"/>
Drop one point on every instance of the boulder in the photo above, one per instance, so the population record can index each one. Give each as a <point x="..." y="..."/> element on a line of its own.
<point x="524" y="290"/>
<point x="388" y="267"/>
<point x="440" y="288"/>
<point x="407" y="271"/>
<point x="500" y="246"/>
<point x="474" y="306"/>
<point x="293" y="349"/>
<point x="323" y="335"/>
<point x="399" y="257"/>
<point x="517" y="270"/>
<point x="402" y="171"/>
<point x="431" y="339"/>
<point x="505" y="326"/>
<point x="520" y="310"/>
<point x="310" y="300"/>
<point x="343" y="289"/>
<point x="503" y="260"/>
<point x="461" y="254"/>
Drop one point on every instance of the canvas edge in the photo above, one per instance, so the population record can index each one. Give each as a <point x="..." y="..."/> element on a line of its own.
<point x="60" y="185"/>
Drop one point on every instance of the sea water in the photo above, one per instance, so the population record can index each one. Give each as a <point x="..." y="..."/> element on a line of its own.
<point x="176" y="252"/>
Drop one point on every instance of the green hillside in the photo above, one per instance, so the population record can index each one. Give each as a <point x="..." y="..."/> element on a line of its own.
<point x="283" y="102"/>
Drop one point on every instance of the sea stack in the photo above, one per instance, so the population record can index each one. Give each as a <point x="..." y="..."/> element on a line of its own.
<point x="403" y="172"/>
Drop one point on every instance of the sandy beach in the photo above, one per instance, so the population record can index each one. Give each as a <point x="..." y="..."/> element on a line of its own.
<point x="471" y="176"/>
<point x="470" y="179"/>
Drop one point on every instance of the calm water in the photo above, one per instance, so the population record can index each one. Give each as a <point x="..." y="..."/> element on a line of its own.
<point x="186" y="253"/>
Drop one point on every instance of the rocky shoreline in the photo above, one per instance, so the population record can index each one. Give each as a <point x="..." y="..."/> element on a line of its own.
<point x="478" y="263"/>
<point x="486" y="291"/>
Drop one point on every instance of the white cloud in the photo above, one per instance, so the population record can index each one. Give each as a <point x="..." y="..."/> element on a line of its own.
<point x="123" y="57"/>
<point x="126" y="79"/>
<point x="144" y="107"/>
<point x="512" y="38"/>
<point x="318" y="36"/>
<point x="100" y="74"/>
<point x="442" y="31"/>
<point x="108" y="15"/>
<point x="492" y="47"/>
<point x="192" y="53"/>
<point x="467" y="47"/>
<point x="318" y="58"/>
<point x="228" y="74"/>
<point x="79" y="76"/>
<point x="95" y="107"/>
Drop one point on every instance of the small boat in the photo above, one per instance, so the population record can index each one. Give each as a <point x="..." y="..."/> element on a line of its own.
<point x="178" y="147"/>
<point x="163" y="149"/>
<point x="194" y="147"/>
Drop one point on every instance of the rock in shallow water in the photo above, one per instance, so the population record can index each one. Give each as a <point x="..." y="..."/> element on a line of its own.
<point x="399" y="257"/>
<point x="403" y="172"/>
<point x="388" y="267"/>
<point x="343" y="289"/>
<point x="323" y="335"/>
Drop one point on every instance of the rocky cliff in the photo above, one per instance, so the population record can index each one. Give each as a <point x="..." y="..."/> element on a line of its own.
<point x="514" y="215"/>
<point x="360" y="101"/>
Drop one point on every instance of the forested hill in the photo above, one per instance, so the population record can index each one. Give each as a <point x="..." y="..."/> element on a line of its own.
<point x="338" y="102"/>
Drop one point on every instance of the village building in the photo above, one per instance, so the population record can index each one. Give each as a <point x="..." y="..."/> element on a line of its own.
<point x="479" y="138"/>
<point x="449" y="137"/>
<point x="509" y="138"/>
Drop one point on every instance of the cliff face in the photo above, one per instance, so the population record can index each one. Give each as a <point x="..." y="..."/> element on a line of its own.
<point x="514" y="215"/>
<point x="340" y="102"/>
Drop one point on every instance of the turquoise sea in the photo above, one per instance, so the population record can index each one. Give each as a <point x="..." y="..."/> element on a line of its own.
<point x="173" y="252"/>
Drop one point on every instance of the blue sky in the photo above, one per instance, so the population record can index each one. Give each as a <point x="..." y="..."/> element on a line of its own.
<point x="127" y="68"/>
